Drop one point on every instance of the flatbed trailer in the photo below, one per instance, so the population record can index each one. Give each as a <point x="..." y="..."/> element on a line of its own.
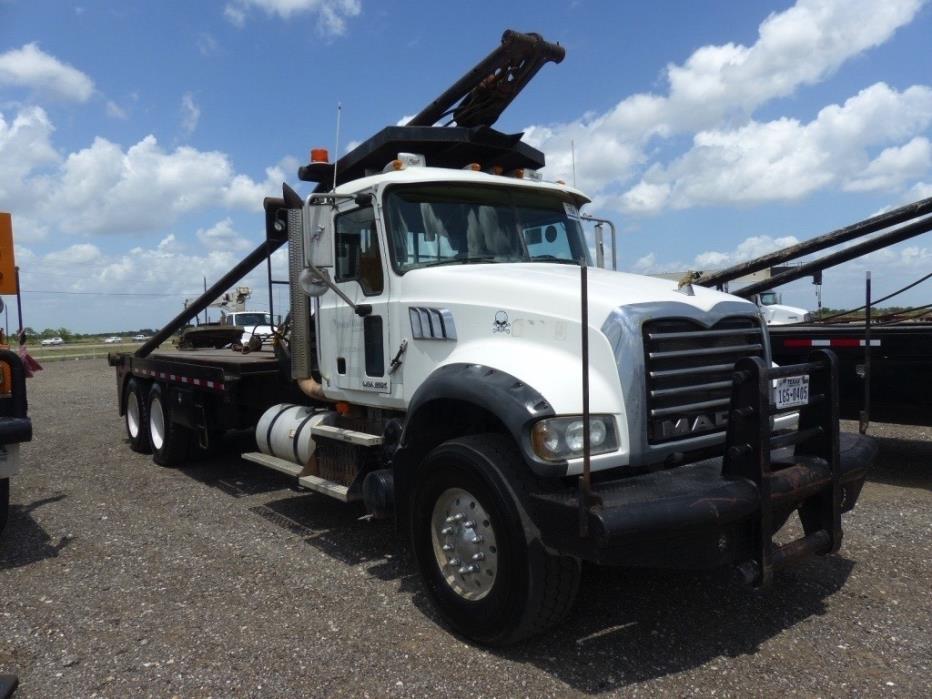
<point x="900" y="370"/>
<point x="212" y="390"/>
<point x="893" y="358"/>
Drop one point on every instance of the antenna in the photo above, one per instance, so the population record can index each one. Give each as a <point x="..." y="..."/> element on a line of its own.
<point x="336" y="148"/>
<point x="573" y="157"/>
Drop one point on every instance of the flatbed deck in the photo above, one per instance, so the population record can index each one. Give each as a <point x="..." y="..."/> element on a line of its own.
<point x="211" y="356"/>
<point x="900" y="368"/>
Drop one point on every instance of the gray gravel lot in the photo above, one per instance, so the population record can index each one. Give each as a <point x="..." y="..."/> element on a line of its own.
<point x="120" y="578"/>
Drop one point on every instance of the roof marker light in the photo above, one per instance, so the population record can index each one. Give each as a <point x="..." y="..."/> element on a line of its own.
<point x="405" y="160"/>
<point x="320" y="155"/>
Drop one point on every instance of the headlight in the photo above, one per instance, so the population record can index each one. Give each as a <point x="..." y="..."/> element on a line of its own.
<point x="561" y="438"/>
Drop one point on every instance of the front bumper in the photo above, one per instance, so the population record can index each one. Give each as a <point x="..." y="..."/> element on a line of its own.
<point x="693" y="517"/>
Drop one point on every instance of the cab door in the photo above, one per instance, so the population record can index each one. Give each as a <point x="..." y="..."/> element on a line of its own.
<point x="354" y="347"/>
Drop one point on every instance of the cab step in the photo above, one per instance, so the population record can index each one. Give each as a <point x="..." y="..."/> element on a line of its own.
<point x="340" y="434"/>
<point x="273" y="462"/>
<point x="315" y="483"/>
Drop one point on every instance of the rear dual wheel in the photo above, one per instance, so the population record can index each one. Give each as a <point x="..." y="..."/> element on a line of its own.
<point x="170" y="442"/>
<point x="136" y="417"/>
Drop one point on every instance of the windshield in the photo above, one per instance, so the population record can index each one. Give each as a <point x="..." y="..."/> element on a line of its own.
<point x="768" y="298"/>
<point x="252" y="319"/>
<point x="449" y="224"/>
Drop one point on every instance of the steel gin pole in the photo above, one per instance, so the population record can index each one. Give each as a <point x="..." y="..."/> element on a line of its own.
<point x="866" y="413"/>
<point x="585" y="481"/>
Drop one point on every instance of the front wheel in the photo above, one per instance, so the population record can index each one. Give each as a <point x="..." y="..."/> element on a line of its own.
<point x="489" y="580"/>
<point x="169" y="440"/>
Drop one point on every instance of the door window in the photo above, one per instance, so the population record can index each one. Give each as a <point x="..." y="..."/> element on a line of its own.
<point x="357" y="251"/>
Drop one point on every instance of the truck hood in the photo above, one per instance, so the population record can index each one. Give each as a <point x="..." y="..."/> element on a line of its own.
<point x="550" y="289"/>
<point x="778" y="314"/>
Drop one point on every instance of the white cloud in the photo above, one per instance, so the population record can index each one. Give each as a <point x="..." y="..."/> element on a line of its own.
<point x="245" y="193"/>
<point x="747" y="249"/>
<point x="116" y="111"/>
<point x="894" y="166"/>
<point x="645" y="264"/>
<point x="25" y="144"/>
<point x="142" y="286"/>
<point x="32" y="68"/>
<point x="207" y="44"/>
<point x="785" y="159"/>
<point x="190" y="113"/>
<point x="235" y="15"/>
<point x="331" y="14"/>
<point x="105" y="189"/>
<point x="718" y="85"/>
<point x="80" y="255"/>
<point x="221" y="236"/>
<point x="920" y="190"/>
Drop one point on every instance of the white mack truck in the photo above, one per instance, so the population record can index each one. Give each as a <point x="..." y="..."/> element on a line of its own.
<point x="451" y="360"/>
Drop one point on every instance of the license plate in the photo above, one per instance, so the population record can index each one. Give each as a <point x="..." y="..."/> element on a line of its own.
<point x="791" y="392"/>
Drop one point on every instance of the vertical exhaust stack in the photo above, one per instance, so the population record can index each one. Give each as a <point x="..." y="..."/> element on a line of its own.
<point x="301" y="358"/>
<point x="300" y="302"/>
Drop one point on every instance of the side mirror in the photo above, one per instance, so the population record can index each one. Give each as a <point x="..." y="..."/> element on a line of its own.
<point x="313" y="281"/>
<point x="318" y="241"/>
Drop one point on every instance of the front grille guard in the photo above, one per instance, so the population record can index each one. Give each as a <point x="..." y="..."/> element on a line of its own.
<point x="748" y="448"/>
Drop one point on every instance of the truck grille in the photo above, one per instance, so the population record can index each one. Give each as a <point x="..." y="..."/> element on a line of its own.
<point x="689" y="373"/>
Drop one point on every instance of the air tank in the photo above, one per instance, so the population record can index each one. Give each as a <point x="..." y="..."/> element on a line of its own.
<point x="284" y="431"/>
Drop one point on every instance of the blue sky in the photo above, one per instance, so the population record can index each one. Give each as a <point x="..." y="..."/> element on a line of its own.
<point x="138" y="139"/>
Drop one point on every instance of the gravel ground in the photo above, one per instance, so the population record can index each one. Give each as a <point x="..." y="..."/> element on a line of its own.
<point x="120" y="578"/>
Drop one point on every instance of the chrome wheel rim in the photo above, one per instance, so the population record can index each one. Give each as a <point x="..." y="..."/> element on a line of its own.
<point x="464" y="544"/>
<point x="132" y="415"/>
<point x="156" y="424"/>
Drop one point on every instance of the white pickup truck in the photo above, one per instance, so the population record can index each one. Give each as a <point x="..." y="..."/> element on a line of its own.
<point x="776" y="313"/>
<point x="254" y="323"/>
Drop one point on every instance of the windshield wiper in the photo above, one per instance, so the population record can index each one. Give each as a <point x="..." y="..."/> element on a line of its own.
<point x="551" y="258"/>
<point x="459" y="261"/>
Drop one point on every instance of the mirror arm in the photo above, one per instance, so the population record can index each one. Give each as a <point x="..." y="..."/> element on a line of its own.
<point x="361" y="309"/>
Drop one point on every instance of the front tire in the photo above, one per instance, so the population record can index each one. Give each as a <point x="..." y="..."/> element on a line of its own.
<point x="489" y="579"/>
<point x="170" y="441"/>
<point x="136" y="417"/>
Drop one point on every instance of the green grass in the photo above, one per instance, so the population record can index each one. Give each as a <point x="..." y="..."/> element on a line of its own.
<point x="82" y="349"/>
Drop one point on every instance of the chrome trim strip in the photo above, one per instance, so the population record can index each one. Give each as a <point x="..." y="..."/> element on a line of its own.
<point x="689" y="407"/>
<point x="675" y="354"/>
<point x="681" y="390"/>
<point x="703" y="333"/>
